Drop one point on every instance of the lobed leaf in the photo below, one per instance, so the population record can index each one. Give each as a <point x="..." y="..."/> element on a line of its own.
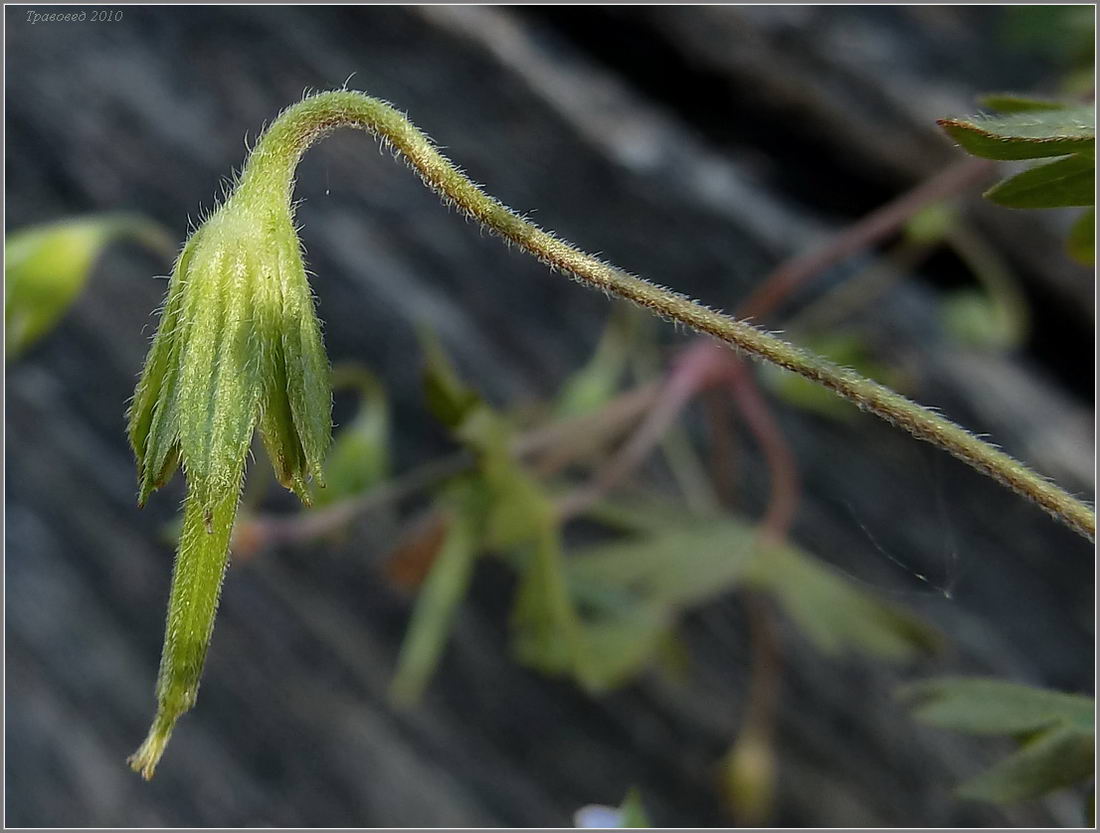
<point x="674" y="568"/>
<point x="836" y="615"/>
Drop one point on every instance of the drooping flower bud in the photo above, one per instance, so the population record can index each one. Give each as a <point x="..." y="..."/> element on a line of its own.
<point x="238" y="348"/>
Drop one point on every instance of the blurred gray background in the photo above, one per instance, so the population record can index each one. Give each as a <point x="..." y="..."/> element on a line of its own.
<point x="699" y="146"/>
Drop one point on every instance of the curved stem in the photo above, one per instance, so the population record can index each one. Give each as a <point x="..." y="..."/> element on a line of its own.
<point x="276" y="156"/>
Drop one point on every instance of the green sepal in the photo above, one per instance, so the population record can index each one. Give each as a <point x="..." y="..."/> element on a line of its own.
<point x="308" y="375"/>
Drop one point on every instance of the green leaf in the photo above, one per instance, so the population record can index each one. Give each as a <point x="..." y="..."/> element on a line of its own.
<point x="974" y="319"/>
<point x="1026" y="135"/>
<point x="989" y="706"/>
<point x="1081" y="242"/>
<point x="620" y="644"/>
<point x="1069" y="181"/>
<point x="675" y="568"/>
<point x="519" y="519"/>
<point x="546" y="629"/>
<point x="594" y="384"/>
<point x="836" y="615"/>
<point x="630" y="591"/>
<point x="1057" y="758"/>
<point x="632" y="811"/>
<point x="1014" y="103"/>
<point x="47" y="266"/>
<point x="359" y="458"/>
<point x="438" y="600"/>
<point x="449" y="400"/>
<point x="843" y="347"/>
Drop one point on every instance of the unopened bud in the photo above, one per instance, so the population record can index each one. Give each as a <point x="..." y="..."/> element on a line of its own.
<point x="238" y="348"/>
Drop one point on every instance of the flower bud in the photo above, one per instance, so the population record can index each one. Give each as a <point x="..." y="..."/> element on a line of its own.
<point x="238" y="348"/>
<point x="47" y="267"/>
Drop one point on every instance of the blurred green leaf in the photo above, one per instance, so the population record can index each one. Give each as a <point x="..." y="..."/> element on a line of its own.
<point x="1014" y="103"/>
<point x="1026" y="135"/>
<point x="632" y="811"/>
<point x="931" y="224"/>
<point x="1059" y="752"/>
<point x="438" y="599"/>
<point x="1065" y="182"/>
<point x="449" y="400"/>
<point x="520" y="520"/>
<point x="359" y="458"/>
<point x="631" y="591"/>
<point x="989" y="706"/>
<point x="596" y="383"/>
<point x="1059" y="757"/>
<point x="844" y="347"/>
<point x="1064" y="34"/>
<point x="834" y="614"/>
<point x="47" y="266"/>
<point x="622" y="643"/>
<point x="546" y="629"/>
<point x="674" y="568"/>
<point x="974" y="319"/>
<point x="1081" y="242"/>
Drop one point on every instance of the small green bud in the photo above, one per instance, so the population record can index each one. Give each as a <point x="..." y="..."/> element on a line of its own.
<point x="47" y="266"/>
<point x="238" y="348"/>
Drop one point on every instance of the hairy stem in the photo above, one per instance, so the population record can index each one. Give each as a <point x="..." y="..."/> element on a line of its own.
<point x="276" y="156"/>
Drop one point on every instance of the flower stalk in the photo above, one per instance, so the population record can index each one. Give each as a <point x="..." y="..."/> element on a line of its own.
<point x="302" y="124"/>
<point x="239" y="348"/>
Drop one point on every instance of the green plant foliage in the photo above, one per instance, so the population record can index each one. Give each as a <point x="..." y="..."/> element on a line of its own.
<point x="1081" y="242"/>
<point x="1016" y="103"/>
<point x="1064" y="34"/>
<point x="1035" y="129"/>
<point x="516" y="518"/>
<point x="1056" y="732"/>
<point x="973" y="319"/>
<point x="979" y="705"/>
<point x="932" y="224"/>
<point x="1031" y="134"/>
<point x="844" y="347"/>
<point x="632" y="811"/>
<point x="47" y="266"/>
<point x="446" y="586"/>
<point x="1054" y="759"/>
<point x="608" y="611"/>
<point x="595" y="383"/>
<point x="647" y="581"/>
<point x="1064" y="182"/>
<point x="835" y="614"/>
<point x="359" y="457"/>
